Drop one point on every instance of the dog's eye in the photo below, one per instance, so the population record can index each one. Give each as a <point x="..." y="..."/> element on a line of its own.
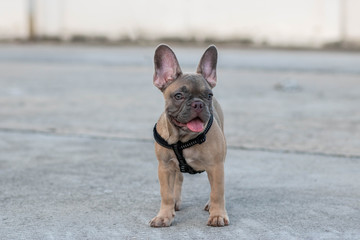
<point x="210" y="96"/>
<point x="178" y="96"/>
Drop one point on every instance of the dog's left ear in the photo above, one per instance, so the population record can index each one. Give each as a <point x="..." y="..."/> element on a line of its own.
<point x="207" y="65"/>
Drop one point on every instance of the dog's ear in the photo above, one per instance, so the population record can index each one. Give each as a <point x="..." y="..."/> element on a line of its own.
<point x="207" y="65"/>
<point x="167" y="68"/>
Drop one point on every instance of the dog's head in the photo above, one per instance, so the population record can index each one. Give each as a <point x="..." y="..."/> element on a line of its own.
<point x="188" y="97"/>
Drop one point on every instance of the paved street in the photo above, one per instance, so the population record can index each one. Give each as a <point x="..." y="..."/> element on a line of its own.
<point x="77" y="158"/>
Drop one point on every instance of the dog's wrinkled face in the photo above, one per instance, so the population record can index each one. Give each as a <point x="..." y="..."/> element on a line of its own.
<point x="188" y="97"/>
<point x="188" y="102"/>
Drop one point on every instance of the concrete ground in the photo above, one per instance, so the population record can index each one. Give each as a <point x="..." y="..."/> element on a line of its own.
<point x="77" y="159"/>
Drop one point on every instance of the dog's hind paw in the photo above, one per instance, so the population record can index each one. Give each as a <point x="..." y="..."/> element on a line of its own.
<point x="207" y="206"/>
<point x="177" y="205"/>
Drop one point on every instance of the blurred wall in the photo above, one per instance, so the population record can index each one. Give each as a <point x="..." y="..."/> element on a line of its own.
<point x="272" y="22"/>
<point x="13" y="19"/>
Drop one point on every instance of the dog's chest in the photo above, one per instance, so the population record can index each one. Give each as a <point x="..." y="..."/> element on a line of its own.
<point x="195" y="163"/>
<point x="194" y="158"/>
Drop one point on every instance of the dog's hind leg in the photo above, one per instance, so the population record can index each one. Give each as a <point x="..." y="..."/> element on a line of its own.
<point x="177" y="190"/>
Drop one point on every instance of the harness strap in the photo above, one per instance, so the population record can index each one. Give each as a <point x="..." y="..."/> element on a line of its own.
<point x="180" y="146"/>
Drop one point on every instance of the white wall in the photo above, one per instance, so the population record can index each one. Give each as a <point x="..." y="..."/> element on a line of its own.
<point x="13" y="19"/>
<point x="276" y="22"/>
<point x="353" y="19"/>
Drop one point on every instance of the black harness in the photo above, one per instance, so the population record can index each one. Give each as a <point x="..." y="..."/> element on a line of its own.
<point x="180" y="146"/>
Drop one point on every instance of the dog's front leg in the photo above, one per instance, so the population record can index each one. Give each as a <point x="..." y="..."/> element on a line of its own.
<point x="216" y="206"/>
<point x="167" y="211"/>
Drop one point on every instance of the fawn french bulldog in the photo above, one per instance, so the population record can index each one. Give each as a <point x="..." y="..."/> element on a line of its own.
<point x="189" y="134"/>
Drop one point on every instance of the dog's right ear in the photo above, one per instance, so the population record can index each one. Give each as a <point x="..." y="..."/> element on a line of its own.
<point x="167" y="68"/>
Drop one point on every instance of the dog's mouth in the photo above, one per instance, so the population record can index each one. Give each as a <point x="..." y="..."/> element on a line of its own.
<point x="194" y="125"/>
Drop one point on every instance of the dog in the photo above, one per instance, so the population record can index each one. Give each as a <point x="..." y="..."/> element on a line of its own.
<point x="189" y="134"/>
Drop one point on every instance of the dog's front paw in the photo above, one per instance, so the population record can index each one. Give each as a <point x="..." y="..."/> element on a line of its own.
<point x="162" y="220"/>
<point x="219" y="220"/>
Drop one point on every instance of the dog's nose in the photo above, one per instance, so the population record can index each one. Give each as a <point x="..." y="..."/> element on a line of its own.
<point x="197" y="106"/>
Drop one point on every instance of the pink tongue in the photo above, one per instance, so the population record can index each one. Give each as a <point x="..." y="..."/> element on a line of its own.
<point x="195" y="125"/>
